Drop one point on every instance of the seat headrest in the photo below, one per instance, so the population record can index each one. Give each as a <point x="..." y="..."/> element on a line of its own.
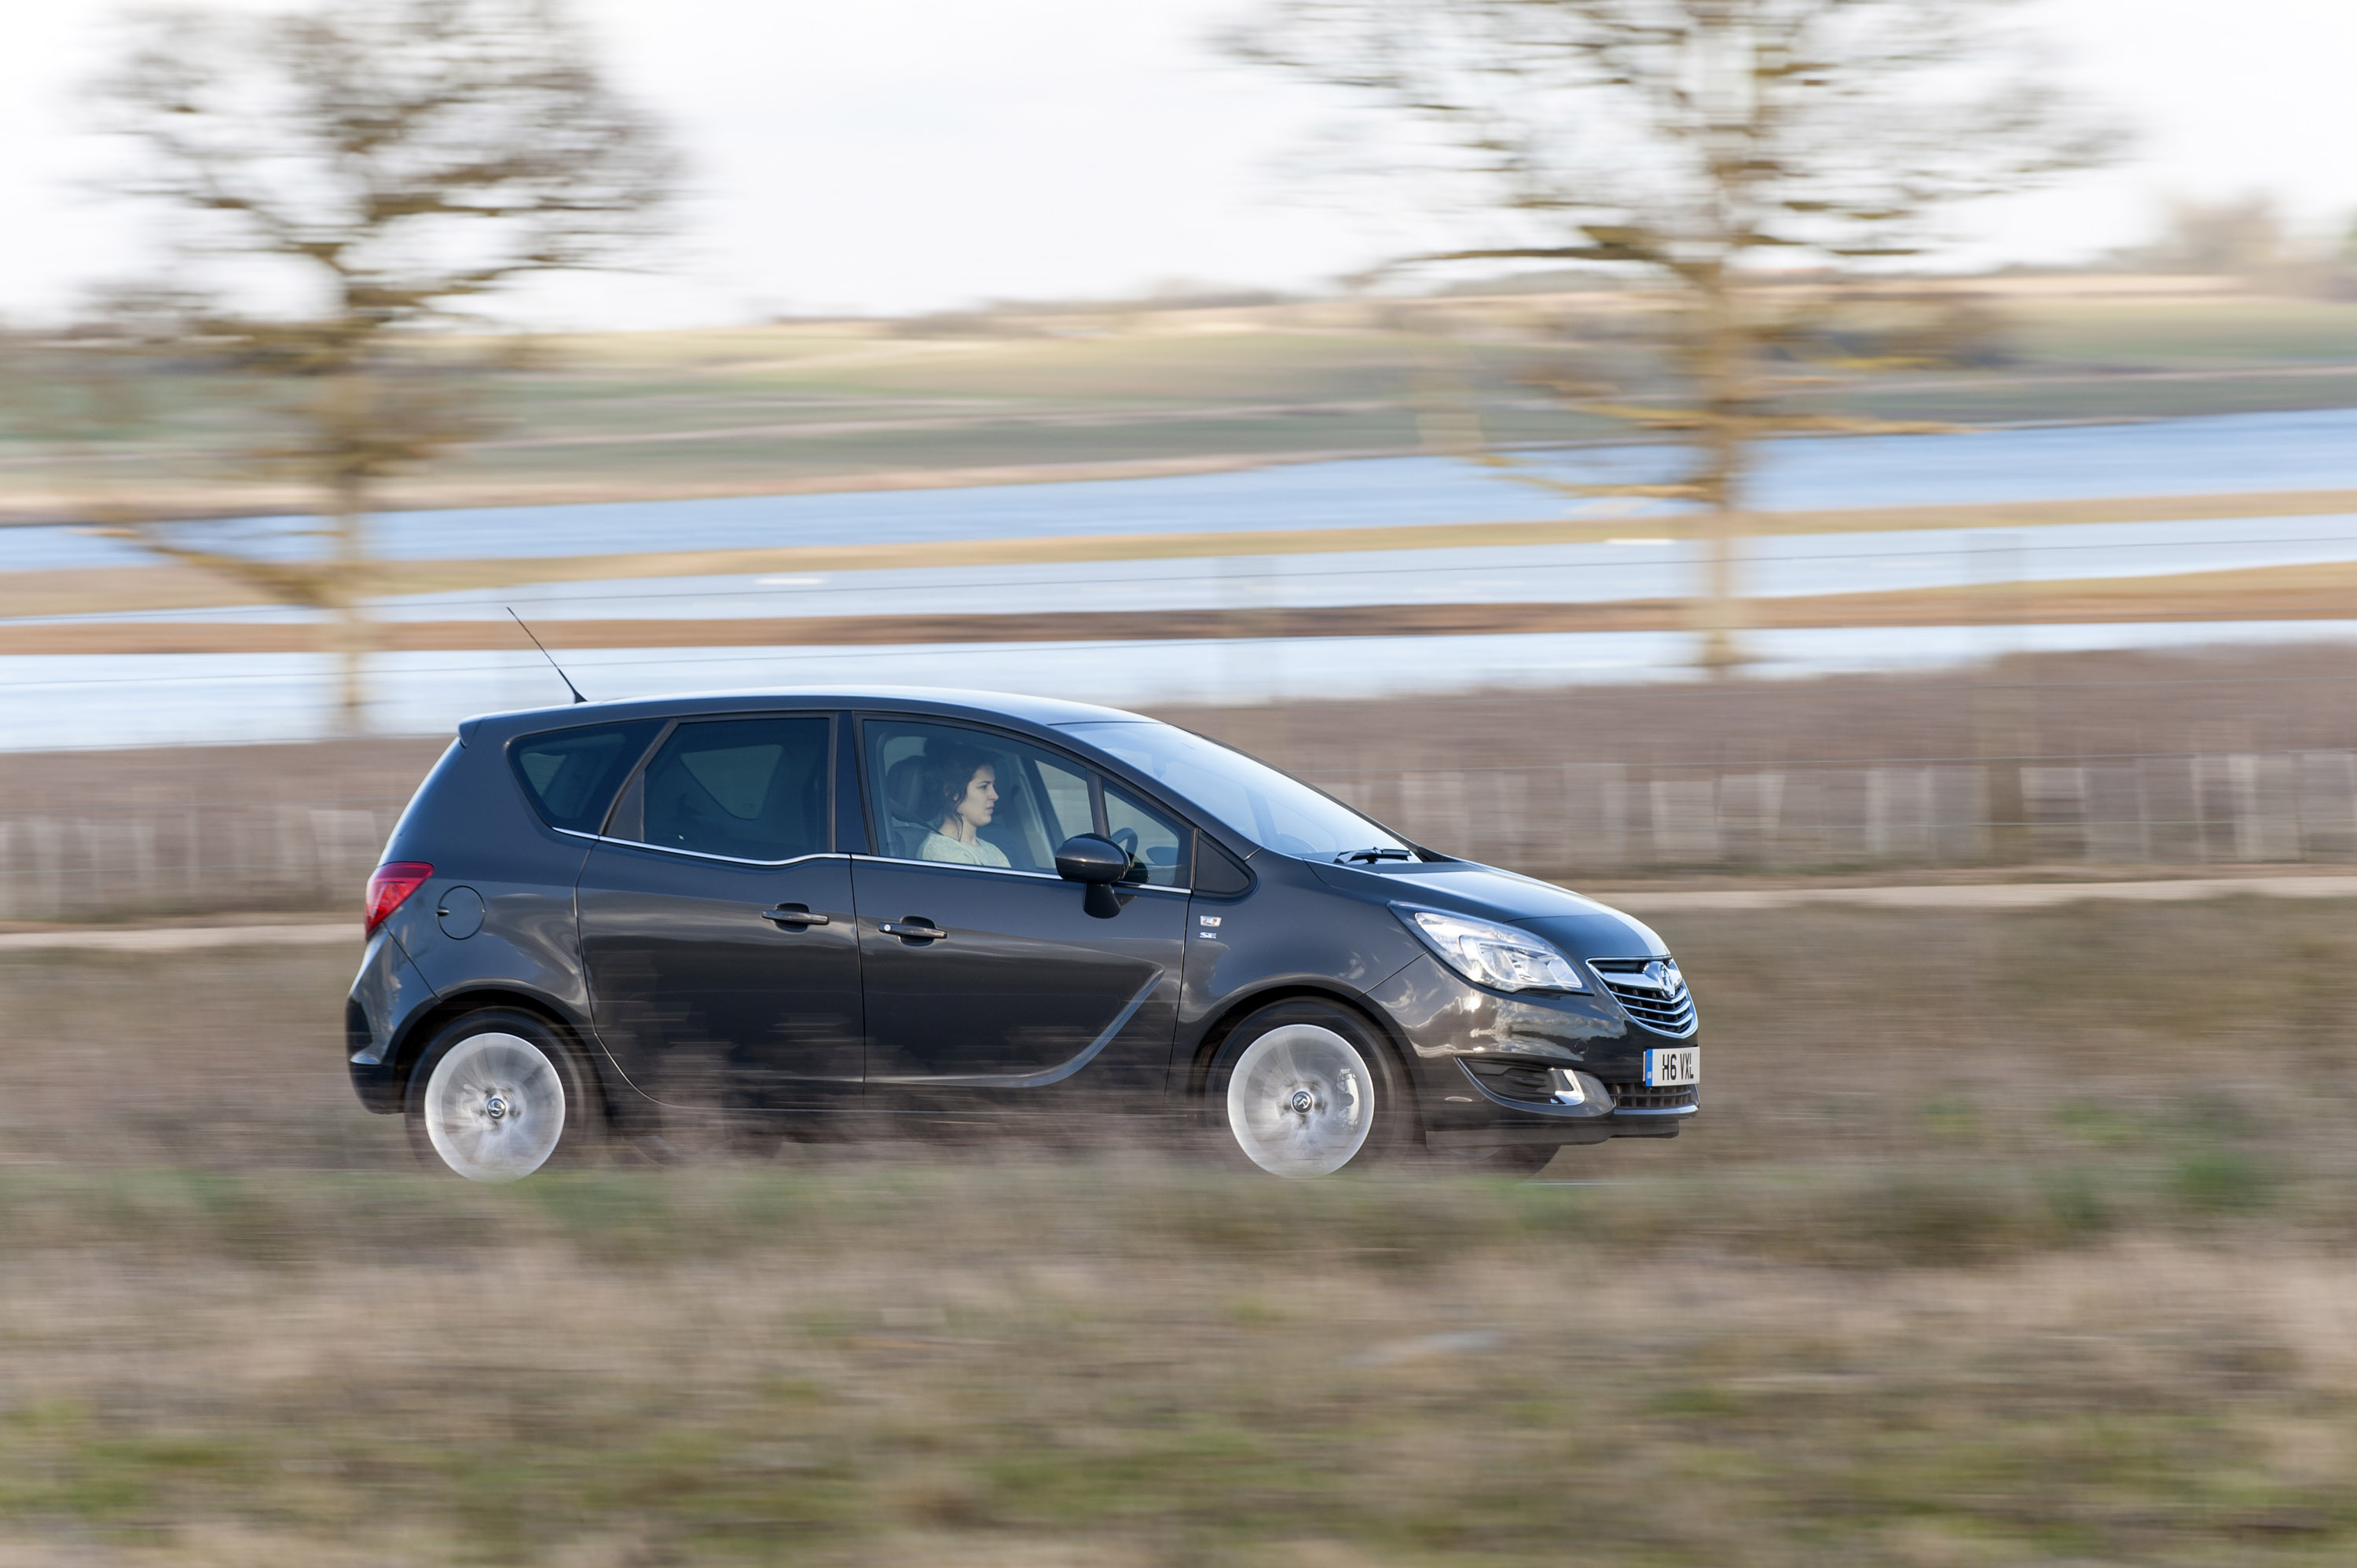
<point x="904" y="789"/>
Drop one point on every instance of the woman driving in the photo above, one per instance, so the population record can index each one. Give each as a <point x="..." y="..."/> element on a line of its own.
<point x="962" y="787"/>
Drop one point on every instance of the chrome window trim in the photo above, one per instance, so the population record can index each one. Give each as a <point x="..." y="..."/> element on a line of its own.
<point x="700" y="854"/>
<point x="1017" y="871"/>
<point x="847" y="854"/>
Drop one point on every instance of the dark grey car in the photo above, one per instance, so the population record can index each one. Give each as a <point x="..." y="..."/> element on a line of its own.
<point x="811" y="905"/>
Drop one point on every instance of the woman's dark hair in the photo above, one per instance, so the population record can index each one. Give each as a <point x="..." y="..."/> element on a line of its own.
<point x="947" y="776"/>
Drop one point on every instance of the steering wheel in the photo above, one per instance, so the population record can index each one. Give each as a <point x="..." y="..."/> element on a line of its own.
<point x="1127" y="839"/>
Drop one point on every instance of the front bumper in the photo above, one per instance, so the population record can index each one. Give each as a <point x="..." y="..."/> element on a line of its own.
<point x="1481" y="1061"/>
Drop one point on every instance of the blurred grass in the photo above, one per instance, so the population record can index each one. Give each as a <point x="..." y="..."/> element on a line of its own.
<point x="2005" y="1239"/>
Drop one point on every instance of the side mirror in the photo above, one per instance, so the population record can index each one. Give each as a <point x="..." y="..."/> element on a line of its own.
<point x="1098" y="864"/>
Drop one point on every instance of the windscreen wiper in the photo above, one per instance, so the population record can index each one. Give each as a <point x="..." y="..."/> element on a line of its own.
<point x="1369" y="856"/>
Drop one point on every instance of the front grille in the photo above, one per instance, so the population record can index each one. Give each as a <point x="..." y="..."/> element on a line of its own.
<point x="1637" y="1097"/>
<point x="1651" y="991"/>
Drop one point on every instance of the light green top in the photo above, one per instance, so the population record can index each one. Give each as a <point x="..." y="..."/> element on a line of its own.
<point x="981" y="852"/>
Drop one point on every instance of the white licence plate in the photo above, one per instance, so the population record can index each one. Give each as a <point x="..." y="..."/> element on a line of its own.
<point x="1678" y="1067"/>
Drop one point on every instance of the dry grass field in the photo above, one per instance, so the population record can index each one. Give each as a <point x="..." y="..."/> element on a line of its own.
<point x="2006" y="1239"/>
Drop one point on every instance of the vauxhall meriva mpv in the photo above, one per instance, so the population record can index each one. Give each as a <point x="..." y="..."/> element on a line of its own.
<point x="802" y="906"/>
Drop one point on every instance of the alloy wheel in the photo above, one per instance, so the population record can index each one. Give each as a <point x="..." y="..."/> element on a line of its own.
<point x="494" y="1107"/>
<point x="1301" y="1102"/>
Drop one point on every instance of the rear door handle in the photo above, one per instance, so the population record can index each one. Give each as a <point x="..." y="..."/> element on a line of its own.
<point x="913" y="931"/>
<point x="794" y="915"/>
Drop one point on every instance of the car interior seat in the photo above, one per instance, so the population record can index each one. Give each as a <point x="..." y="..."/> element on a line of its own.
<point x="904" y="806"/>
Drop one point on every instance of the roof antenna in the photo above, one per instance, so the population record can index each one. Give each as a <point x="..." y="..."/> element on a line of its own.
<point x="544" y="653"/>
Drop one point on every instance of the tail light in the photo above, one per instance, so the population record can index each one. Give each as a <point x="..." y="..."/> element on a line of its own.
<point x="390" y="885"/>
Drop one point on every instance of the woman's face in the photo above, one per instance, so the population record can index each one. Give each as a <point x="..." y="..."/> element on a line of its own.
<point x="980" y="802"/>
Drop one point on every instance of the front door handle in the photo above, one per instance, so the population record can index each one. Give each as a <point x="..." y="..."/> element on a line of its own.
<point x="794" y="915"/>
<point x="913" y="931"/>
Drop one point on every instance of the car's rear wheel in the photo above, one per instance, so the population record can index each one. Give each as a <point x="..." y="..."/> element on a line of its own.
<point x="1304" y="1089"/>
<point x="497" y="1095"/>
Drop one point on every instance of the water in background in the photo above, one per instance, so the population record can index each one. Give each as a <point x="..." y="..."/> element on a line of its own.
<point x="2232" y="453"/>
<point x="81" y="700"/>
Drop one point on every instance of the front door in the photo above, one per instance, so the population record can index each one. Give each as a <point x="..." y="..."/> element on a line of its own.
<point x="981" y="970"/>
<point x="717" y="924"/>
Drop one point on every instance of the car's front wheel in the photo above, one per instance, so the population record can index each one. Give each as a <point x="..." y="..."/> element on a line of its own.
<point x="1304" y="1089"/>
<point x="497" y="1095"/>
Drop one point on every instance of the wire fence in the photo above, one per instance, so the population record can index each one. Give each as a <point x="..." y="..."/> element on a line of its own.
<point x="205" y="856"/>
<point x="1574" y="820"/>
<point x="1567" y="820"/>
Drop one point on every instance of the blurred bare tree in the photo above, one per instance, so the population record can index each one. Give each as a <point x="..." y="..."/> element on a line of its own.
<point x="1706" y="147"/>
<point x="2242" y="236"/>
<point x="369" y="170"/>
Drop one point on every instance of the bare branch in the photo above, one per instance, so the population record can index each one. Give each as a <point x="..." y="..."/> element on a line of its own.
<point x="402" y="159"/>
<point x="1684" y="141"/>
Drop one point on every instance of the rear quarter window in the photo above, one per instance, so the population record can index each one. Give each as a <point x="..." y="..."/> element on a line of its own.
<point x="570" y="776"/>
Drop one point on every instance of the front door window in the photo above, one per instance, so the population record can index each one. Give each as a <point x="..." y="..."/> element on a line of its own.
<point x="964" y="797"/>
<point x="1156" y="844"/>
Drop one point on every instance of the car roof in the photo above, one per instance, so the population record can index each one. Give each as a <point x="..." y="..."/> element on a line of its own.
<point x="1042" y="713"/>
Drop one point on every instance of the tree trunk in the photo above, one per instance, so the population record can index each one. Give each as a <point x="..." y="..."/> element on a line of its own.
<point x="1720" y="351"/>
<point x="353" y="633"/>
<point x="346" y="415"/>
<point x="1720" y="612"/>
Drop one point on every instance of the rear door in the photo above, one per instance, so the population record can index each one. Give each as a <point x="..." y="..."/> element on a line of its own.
<point x="983" y="978"/>
<point x="717" y="924"/>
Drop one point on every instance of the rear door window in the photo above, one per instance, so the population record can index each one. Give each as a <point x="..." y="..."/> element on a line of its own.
<point x="742" y="789"/>
<point x="570" y="775"/>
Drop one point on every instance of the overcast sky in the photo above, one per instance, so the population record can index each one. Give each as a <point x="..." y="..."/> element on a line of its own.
<point x="904" y="154"/>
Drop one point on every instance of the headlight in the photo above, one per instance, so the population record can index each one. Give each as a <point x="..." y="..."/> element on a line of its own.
<point x="1488" y="954"/>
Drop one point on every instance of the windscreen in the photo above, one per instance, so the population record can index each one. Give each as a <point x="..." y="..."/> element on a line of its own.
<point x="1271" y="809"/>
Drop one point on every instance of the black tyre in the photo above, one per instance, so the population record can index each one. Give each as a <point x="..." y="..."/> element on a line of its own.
<point x="499" y="1094"/>
<point x="1306" y="1089"/>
